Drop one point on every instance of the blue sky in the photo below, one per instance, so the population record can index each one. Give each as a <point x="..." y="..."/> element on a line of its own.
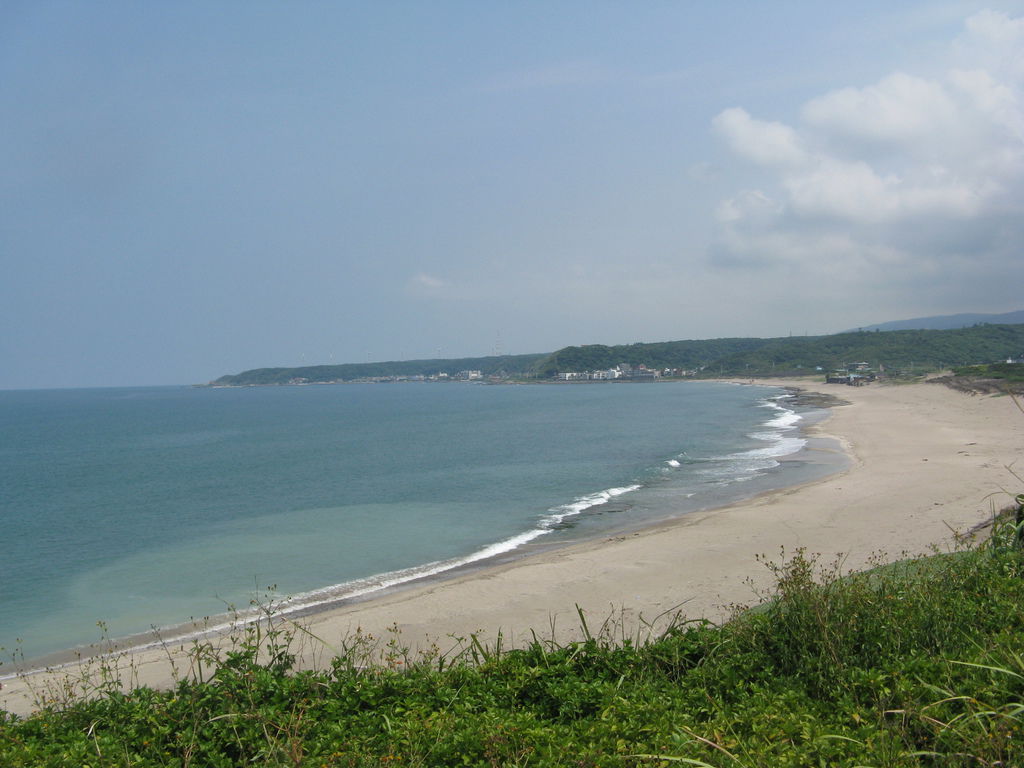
<point x="191" y="189"/>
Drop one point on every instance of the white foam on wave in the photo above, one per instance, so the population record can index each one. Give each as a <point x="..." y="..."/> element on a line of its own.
<point x="781" y="446"/>
<point x="558" y="514"/>
<point x="745" y="465"/>
<point x="361" y="587"/>
<point x="785" y="420"/>
<point x="672" y="463"/>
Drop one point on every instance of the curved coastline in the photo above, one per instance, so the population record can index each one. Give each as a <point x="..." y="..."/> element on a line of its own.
<point x="769" y="467"/>
<point x="924" y="460"/>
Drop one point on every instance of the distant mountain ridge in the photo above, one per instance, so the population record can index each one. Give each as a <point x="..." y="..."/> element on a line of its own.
<point x="947" y="322"/>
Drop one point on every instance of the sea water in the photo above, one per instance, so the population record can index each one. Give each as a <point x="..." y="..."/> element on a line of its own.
<point x="128" y="509"/>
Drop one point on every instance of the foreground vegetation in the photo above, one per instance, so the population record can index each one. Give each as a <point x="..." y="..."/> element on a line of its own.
<point x="920" y="663"/>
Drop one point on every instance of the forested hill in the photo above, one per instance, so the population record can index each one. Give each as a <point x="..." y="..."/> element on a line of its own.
<point x="895" y="350"/>
<point x="910" y="350"/>
<point x="497" y="365"/>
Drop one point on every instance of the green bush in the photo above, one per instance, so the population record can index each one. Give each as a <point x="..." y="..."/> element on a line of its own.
<point x="918" y="663"/>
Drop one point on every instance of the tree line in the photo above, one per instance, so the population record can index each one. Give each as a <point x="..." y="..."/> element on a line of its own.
<point x="903" y="351"/>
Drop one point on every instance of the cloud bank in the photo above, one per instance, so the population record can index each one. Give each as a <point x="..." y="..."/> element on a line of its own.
<point x="912" y="181"/>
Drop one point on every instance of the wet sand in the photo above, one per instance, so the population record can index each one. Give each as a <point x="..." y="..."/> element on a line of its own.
<point x="927" y="461"/>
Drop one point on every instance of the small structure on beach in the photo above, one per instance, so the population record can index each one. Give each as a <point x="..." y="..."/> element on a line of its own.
<point x="850" y="379"/>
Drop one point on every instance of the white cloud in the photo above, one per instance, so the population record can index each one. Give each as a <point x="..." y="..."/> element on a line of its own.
<point x="904" y="179"/>
<point x="992" y="40"/>
<point x="899" y="109"/>
<point x="856" y="192"/>
<point x="766" y="143"/>
<point x="749" y="205"/>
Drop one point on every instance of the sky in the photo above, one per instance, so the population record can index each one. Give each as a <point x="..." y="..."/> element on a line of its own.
<point x="192" y="189"/>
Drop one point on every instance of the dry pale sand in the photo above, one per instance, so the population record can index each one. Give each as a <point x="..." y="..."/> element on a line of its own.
<point x="927" y="461"/>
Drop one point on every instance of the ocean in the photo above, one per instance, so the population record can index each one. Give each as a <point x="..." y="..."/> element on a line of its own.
<point x="124" y="510"/>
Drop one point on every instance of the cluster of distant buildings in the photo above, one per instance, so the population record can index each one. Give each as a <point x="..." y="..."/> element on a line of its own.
<point x="624" y="371"/>
<point x="460" y="376"/>
<point x="855" y="375"/>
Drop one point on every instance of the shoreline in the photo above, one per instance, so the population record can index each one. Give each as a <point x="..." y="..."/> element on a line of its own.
<point x="924" y="459"/>
<point x="811" y="409"/>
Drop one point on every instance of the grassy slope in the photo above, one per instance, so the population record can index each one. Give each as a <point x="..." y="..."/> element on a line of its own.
<point x="916" y="664"/>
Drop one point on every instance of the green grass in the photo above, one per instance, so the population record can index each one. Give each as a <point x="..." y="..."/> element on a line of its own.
<point x="916" y="664"/>
<point x="1009" y="372"/>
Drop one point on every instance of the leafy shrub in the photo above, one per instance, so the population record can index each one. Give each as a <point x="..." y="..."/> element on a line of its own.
<point x="918" y="663"/>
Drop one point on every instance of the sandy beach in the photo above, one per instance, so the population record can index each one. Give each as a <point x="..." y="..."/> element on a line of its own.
<point x="926" y="462"/>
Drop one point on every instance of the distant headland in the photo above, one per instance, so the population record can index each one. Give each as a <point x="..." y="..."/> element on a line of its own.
<point x="890" y="353"/>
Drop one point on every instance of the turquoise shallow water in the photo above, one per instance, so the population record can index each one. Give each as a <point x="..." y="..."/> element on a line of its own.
<point x="147" y="507"/>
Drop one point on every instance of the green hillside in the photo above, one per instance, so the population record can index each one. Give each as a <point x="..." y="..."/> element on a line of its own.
<point x="496" y="365"/>
<point x="916" y="350"/>
<point x="895" y="351"/>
